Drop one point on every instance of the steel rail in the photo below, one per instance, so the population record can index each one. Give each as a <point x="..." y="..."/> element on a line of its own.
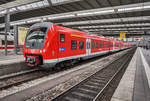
<point x="81" y="84"/>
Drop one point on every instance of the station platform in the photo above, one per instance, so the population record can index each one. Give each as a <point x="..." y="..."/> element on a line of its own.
<point x="10" y="59"/>
<point x="12" y="63"/>
<point x="135" y="83"/>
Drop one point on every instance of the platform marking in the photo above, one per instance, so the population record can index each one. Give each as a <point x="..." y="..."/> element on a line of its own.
<point x="146" y="67"/>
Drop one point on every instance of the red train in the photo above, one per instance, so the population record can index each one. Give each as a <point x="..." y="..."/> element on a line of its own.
<point x="49" y="45"/>
<point x="10" y="45"/>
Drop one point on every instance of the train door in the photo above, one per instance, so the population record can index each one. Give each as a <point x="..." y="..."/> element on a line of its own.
<point x="62" y="45"/>
<point x="109" y="46"/>
<point x="113" y="45"/>
<point x="88" y="46"/>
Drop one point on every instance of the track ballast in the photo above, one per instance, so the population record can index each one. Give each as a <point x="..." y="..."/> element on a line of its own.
<point x="94" y="87"/>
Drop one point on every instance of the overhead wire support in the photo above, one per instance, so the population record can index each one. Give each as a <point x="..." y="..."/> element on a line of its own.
<point x="15" y="37"/>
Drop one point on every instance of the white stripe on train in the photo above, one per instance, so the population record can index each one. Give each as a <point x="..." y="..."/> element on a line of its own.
<point x="78" y="56"/>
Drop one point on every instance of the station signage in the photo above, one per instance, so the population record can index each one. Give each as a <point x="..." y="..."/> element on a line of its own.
<point x="139" y="39"/>
<point x="22" y="31"/>
<point x="122" y="35"/>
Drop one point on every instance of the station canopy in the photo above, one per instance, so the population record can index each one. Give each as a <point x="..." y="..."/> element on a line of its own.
<point x="101" y="17"/>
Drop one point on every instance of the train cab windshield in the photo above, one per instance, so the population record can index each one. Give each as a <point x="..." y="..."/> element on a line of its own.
<point x="35" y="38"/>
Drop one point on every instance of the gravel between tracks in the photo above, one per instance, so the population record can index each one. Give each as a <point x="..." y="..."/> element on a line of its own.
<point x="92" y="67"/>
<point x="58" y="89"/>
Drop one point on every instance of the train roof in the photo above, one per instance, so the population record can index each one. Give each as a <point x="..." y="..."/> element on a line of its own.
<point x="43" y="24"/>
<point x="84" y="34"/>
<point x="73" y="31"/>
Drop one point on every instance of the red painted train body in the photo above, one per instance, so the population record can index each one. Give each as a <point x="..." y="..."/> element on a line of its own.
<point x="47" y="44"/>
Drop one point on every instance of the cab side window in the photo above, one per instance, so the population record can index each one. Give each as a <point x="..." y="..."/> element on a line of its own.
<point x="62" y="37"/>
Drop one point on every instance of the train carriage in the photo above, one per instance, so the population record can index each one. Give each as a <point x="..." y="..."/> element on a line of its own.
<point x="47" y="45"/>
<point x="10" y="44"/>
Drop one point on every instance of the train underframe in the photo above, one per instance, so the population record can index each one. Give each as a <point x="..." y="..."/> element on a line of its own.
<point x="37" y="60"/>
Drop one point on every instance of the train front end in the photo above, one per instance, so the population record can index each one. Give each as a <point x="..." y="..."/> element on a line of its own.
<point x="34" y="49"/>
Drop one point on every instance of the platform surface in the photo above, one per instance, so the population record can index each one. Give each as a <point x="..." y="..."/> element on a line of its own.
<point x="146" y="54"/>
<point x="10" y="59"/>
<point x="135" y="83"/>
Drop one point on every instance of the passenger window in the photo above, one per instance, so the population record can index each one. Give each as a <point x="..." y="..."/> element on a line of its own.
<point x="62" y="37"/>
<point x="73" y="44"/>
<point x="96" y="44"/>
<point x="93" y="45"/>
<point x="81" y="45"/>
<point x="100" y="45"/>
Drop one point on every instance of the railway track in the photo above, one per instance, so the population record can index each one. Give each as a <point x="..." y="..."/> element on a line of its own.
<point x="19" y="78"/>
<point x="94" y="88"/>
<point x="17" y="74"/>
<point x="22" y="77"/>
<point x="15" y="79"/>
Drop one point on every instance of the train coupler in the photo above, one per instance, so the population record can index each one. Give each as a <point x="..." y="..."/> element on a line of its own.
<point x="33" y="61"/>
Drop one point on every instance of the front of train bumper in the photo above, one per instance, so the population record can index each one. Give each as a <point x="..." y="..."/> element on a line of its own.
<point x="33" y="61"/>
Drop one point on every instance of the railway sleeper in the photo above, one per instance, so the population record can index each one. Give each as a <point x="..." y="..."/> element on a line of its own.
<point x="87" y="90"/>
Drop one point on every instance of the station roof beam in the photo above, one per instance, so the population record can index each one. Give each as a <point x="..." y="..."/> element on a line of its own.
<point x="115" y="20"/>
<point x="60" y="2"/>
<point x="98" y="12"/>
<point x="113" y="26"/>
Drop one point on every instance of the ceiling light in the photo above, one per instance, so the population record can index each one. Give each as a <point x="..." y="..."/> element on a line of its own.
<point x="118" y="25"/>
<point x="21" y="7"/>
<point x="17" y="23"/>
<point x="60" y="16"/>
<point x="33" y="20"/>
<point x="3" y="12"/>
<point x="95" y="12"/>
<point x="12" y="9"/>
<point x="128" y="9"/>
<point x="145" y="7"/>
<point x="142" y="7"/>
<point x="58" y="2"/>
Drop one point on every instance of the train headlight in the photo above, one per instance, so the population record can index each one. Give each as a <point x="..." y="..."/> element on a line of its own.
<point x="44" y="50"/>
<point x="40" y="51"/>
